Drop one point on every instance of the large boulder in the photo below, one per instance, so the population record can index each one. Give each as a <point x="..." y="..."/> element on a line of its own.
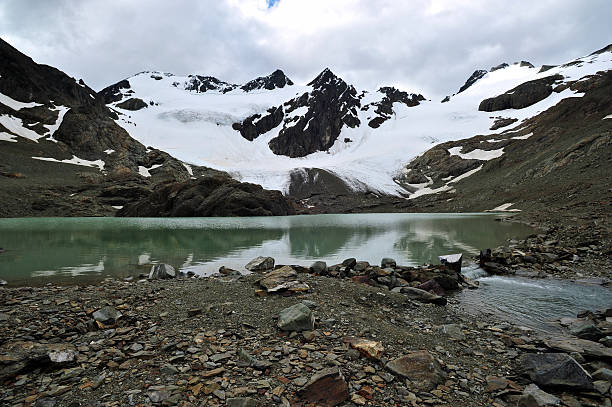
<point x="318" y="267"/>
<point x="162" y="271"/>
<point x="555" y="370"/>
<point x="107" y="315"/>
<point x="296" y="318"/>
<point x="260" y="263"/>
<point x="132" y="104"/>
<point x="420" y="368"/>
<point x="21" y="357"/>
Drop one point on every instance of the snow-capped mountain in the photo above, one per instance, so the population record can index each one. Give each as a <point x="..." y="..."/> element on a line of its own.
<point x="268" y="129"/>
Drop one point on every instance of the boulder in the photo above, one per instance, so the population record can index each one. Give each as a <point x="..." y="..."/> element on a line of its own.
<point x="283" y="279"/>
<point x="350" y="263"/>
<point x="326" y="388"/>
<point x="586" y="329"/>
<point x="432" y="286"/>
<point x="107" y="315"/>
<point x="423" y="296"/>
<point x="260" y="263"/>
<point x="420" y="368"/>
<point x="132" y="104"/>
<point x="361" y="266"/>
<point x="582" y="346"/>
<point x="603" y="374"/>
<point x="21" y="357"/>
<point x="318" y="267"/>
<point x="534" y="397"/>
<point x="368" y="348"/>
<point x="555" y="370"/>
<point x="387" y="262"/>
<point x="296" y="318"/>
<point x="453" y="261"/>
<point x="162" y="271"/>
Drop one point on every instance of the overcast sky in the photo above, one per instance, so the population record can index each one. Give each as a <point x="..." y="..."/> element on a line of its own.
<point x="430" y="46"/>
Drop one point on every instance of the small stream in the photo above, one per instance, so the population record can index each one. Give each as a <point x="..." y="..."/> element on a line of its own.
<point x="535" y="303"/>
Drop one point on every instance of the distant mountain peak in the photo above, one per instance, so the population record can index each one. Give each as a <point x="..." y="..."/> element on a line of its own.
<point x="276" y="79"/>
<point x="325" y="77"/>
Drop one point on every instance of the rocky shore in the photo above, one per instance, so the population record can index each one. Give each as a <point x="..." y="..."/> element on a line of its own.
<point x="288" y="336"/>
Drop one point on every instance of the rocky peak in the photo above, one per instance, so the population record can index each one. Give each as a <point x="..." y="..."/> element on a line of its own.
<point x="498" y="67"/>
<point x="478" y="74"/>
<point x="276" y="79"/>
<point x="326" y="78"/>
<point x="202" y="84"/>
<point x="384" y="108"/>
<point x="113" y="93"/>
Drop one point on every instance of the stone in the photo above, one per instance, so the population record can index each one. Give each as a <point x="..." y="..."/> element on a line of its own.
<point x="452" y="260"/>
<point x="241" y="402"/>
<point x="534" y="397"/>
<point x="368" y="348"/>
<point x="423" y="296"/>
<point x="296" y="318"/>
<point x="603" y="374"/>
<point x="586" y="329"/>
<point x="582" y="346"/>
<point x="555" y="370"/>
<point x="282" y="279"/>
<point x="260" y="263"/>
<point x="19" y="357"/>
<point x="162" y="271"/>
<point x="318" y="267"/>
<point x="420" y="368"/>
<point x="453" y="330"/>
<point x="432" y="286"/>
<point x="361" y="266"/>
<point x="606" y="341"/>
<point x="349" y="263"/>
<point x="495" y="384"/>
<point x="326" y="388"/>
<point x="602" y="386"/>
<point x="387" y="262"/>
<point x="107" y="315"/>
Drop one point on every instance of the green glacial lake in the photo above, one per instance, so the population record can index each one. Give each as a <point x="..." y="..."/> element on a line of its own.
<point x="41" y="250"/>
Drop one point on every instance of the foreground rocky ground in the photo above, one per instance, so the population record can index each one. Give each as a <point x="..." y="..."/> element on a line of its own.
<point x="217" y="341"/>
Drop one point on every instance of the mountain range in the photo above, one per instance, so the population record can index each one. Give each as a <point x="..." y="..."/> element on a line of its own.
<point x="513" y="137"/>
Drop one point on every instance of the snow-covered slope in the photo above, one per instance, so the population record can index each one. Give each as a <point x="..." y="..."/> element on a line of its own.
<point x="198" y="127"/>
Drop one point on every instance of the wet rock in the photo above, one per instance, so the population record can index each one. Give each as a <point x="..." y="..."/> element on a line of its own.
<point x="423" y="296"/>
<point x="107" y="315"/>
<point x="260" y="263"/>
<point x="326" y="388"/>
<point x="555" y="369"/>
<point x="3" y="282"/>
<point x="534" y="397"/>
<point x="350" y="262"/>
<point x="453" y="261"/>
<point x="318" y="267"/>
<point x="296" y="318"/>
<point x="387" y="262"/>
<point x="420" y="368"/>
<point x="368" y="348"/>
<point x="162" y="271"/>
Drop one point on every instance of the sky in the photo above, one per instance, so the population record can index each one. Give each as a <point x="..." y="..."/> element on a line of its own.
<point x="426" y="46"/>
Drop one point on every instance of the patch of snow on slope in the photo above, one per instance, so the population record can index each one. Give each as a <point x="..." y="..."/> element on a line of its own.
<point x="7" y="137"/>
<point x="15" y="104"/>
<point x="109" y="151"/>
<point x="144" y="171"/>
<point x="15" y="125"/>
<point x="525" y="137"/>
<point x="465" y="174"/>
<point x="76" y="161"/>
<point x="503" y="208"/>
<point x="608" y="117"/>
<point x="484" y="155"/>
<point x="60" y="117"/>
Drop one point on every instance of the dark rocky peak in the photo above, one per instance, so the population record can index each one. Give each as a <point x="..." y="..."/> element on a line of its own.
<point x="276" y="79"/>
<point x="500" y="66"/>
<point x="113" y="93"/>
<point x="326" y="78"/>
<point x="478" y="74"/>
<point x="202" y="84"/>
<point x="384" y="108"/>
<point x="607" y="48"/>
<point x="526" y="64"/>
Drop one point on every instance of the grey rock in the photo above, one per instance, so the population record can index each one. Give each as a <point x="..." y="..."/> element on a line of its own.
<point x="107" y="315"/>
<point x="603" y="374"/>
<point x="387" y="262"/>
<point x="296" y="318"/>
<point x="420" y="368"/>
<point x="162" y="271"/>
<point x="453" y="330"/>
<point x="586" y="329"/>
<point x="350" y="262"/>
<point x="260" y="263"/>
<point x="533" y="396"/>
<point x="241" y="402"/>
<point x="423" y="296"/>
<point x="602" y="386"/>
<point x="318" y="267"/>
<point x="555" y="370"/>
<point x="3" y="282"/>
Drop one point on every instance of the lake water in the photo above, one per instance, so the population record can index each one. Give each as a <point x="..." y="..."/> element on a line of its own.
<point x="41" y="250"/>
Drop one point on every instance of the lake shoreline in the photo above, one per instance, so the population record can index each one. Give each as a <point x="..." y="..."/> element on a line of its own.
<point x="185" y="342"/>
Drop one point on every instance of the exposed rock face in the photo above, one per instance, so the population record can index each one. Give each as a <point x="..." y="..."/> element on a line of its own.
<point x="276" y="79"/>
<point x="209" y="196"/>
<point x="384" y="108"/>
<point x="526" y="94"/>
<point x="113" y="93"/>
<point x="256" y="125"/>
<point x="502" y="122"/>
<point x="500" y="66"/>
<point x="132" y="104"/>
<point x="201" y="84"/>
<point x="478" y="74"/>
<point x="331" y="105"/>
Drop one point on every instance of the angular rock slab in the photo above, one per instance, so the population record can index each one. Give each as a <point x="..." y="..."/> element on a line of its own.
<point x="420" y="368"/>
<point x="555" y="370"/>
<point x="534" y="397"/>
<point x="107" y="315"/>
<point x="162" y="271"/>
<point x="298" y="317"/>
<point x="20" y="357"/>
<point x="584" y="347"/>
<point x="326" y="388"/>
<point x="260" y="263"/>
<point x="284" y="278"/>
<point x="369" y="349"/>
<point x="423" y="296"/>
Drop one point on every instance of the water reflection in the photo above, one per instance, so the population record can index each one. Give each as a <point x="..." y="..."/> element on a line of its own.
<point x="90" y="248"/>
